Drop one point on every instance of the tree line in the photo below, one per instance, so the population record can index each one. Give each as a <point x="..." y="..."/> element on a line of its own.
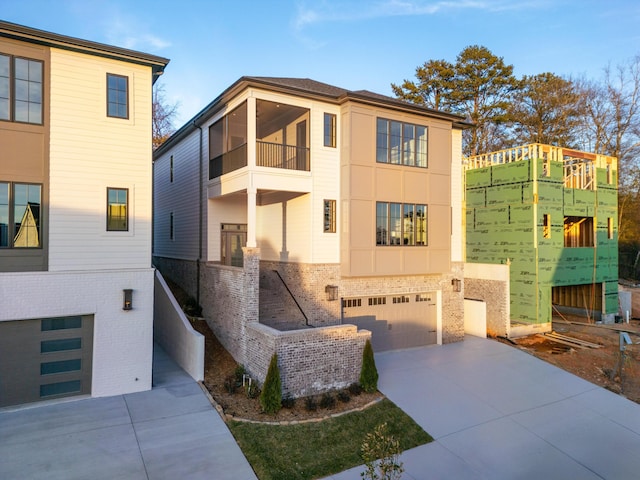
<point x="595" y="115"/>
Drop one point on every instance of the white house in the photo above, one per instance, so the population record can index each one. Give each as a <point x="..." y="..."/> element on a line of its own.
<point x="76" y="281"/>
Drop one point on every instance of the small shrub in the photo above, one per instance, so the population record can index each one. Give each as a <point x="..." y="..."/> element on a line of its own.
<point x="327" y="401"/>
<point x="381" y="454"/>
<point x="271" y="395"/>
<point x="369" y="372"/>
<point x="192" y="308"/>
<point x="344" y="396"/>
<point x="230" y="384"/>
<point x="239" y="373"/>
<point x="251" y="389"/>
<point x="355" y="389"/>
<point x="288" y="402"/>
<point x="310" y="404"/>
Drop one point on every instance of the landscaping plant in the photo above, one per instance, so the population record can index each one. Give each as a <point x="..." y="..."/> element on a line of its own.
<point x="381" y="455"/>
<point x="271" y="395"/>
<point x="369" y="372"/>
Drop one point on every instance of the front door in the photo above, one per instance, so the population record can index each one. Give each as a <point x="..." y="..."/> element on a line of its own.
<point x="234" y="237"/>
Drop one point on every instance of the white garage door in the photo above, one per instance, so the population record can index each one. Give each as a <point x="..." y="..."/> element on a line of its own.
<point x="395" y="321"/>
<point x="46" y="358"/>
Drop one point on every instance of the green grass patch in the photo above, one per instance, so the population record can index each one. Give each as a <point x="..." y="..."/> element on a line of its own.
<point x="318" y="449"/>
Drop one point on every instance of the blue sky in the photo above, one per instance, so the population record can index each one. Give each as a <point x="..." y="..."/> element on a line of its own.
<point x="354" y="44"/>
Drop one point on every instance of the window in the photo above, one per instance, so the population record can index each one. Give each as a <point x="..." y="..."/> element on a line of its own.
<point x="401" y="224"/>
<point x="401" y="143"/>
<point x="171" y="232"/>
<point x="20" y="215"/>
<point x="117" y="96"/>
<point x="329" y="216"/>
<point x="117" y="209"/>
<point x="546" y="225"/>
<point x="578" y="232"/>
<point x="329" y="130"/>
<point x="233" y="239"/>
<point x="171" y="169"/>
<point x="20" y="89"/>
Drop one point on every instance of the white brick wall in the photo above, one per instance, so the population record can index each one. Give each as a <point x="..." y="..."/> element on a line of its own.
<point x="122" y="340"/>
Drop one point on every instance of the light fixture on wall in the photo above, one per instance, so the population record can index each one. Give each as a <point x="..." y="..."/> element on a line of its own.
<point x="127" y="295"/>
<point x="456" y="283"/>
<point x="332" y="292"/>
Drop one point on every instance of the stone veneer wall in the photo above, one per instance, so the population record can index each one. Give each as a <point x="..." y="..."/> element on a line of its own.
<point x="307" y="282"/>
<point x="312" y="360"/>
<point x="490" y="283"/>
<point x="182" y="272"/>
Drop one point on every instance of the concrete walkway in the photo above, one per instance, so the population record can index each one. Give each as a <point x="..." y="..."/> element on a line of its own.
<point x="170" y="432"/>
<point x="499" y="413"/>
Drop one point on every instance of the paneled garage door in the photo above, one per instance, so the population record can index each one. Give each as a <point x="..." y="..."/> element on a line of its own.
<point x="395" y="321"/>
<point x="45" y="358"/>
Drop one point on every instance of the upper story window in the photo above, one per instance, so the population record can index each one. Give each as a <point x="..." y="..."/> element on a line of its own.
<point x="117" y="209"/>
<point x="329" y="130"/>
<point x="21" y="89"/>
<point x="401" y="143"/>
<point x="401" y="224"/>
<point x="20" y="215"/>
<point x="117" y="96"/>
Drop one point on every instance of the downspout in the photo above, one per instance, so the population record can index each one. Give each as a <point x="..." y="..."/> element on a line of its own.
<point x="200" y="210"/>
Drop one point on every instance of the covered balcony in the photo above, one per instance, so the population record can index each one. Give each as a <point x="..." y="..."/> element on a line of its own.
<point x="281" y="138"/>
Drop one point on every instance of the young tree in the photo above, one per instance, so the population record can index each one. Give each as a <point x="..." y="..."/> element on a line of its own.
<point x="368" y="372"/>
<point x="271" y="394"/>
<point x="545" y="109"/>
<point x="163" y="116"/>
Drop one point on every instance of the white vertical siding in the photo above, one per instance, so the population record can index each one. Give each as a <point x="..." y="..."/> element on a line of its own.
<point x="90" y="152"/>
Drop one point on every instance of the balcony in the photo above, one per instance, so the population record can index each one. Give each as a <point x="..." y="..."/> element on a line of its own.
<point x="228" y="162"/>
<point x="275" y="155"/>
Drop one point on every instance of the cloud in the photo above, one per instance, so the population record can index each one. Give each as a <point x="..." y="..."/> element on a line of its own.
<point x="329" y="12"/>
<point x="119" y="30"/>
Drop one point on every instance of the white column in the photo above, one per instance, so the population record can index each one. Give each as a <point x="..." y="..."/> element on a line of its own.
<point x="251" y="214"/>
<point x="251" y="132"/>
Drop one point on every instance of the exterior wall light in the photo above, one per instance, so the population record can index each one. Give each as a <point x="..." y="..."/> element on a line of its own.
<point x="332" y="292"/>
<point x="456" y="283"/>
<point x="127" y="299"/>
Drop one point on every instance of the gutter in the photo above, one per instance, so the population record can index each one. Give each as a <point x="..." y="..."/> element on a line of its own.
<point x="200" y="211"/>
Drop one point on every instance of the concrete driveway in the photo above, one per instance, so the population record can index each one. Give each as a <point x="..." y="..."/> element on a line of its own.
<point x="170" y="432"/>
<point x="499" y="413"/>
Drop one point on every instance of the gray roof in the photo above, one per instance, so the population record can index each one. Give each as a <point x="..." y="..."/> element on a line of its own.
<point x="49" y="39"/>
<point x="305" y="87"/>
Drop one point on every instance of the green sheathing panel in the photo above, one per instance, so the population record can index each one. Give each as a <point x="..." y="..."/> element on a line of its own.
<point x="516" y="172"/>
<point x="601" y="177"/>
<point x="480" y="177"/>
<point x="501" y="208"/>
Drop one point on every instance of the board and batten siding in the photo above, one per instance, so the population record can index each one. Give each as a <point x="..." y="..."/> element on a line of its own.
<point x="181" y="198"/>
<point x="90" y="152"/>
<point x="457" y="237"/>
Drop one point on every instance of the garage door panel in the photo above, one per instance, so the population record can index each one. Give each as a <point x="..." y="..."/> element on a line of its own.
<point x="45" y="358"/>
<point x="399" y="321"/>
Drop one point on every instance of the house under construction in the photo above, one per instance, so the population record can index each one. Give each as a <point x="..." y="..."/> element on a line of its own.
<point x="550" y="213"/>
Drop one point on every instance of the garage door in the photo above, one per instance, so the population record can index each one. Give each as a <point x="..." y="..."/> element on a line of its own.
<point x="396" y="321"/>
<point x="45" y="358"/>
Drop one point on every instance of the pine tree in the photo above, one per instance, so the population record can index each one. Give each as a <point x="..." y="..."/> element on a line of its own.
<point x="271" y="395"/>
<point x="369" y="372"/>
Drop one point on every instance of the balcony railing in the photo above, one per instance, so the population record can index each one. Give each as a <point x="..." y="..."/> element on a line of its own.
<point x="228" y="162"/>
<point x="276" y="155"/>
